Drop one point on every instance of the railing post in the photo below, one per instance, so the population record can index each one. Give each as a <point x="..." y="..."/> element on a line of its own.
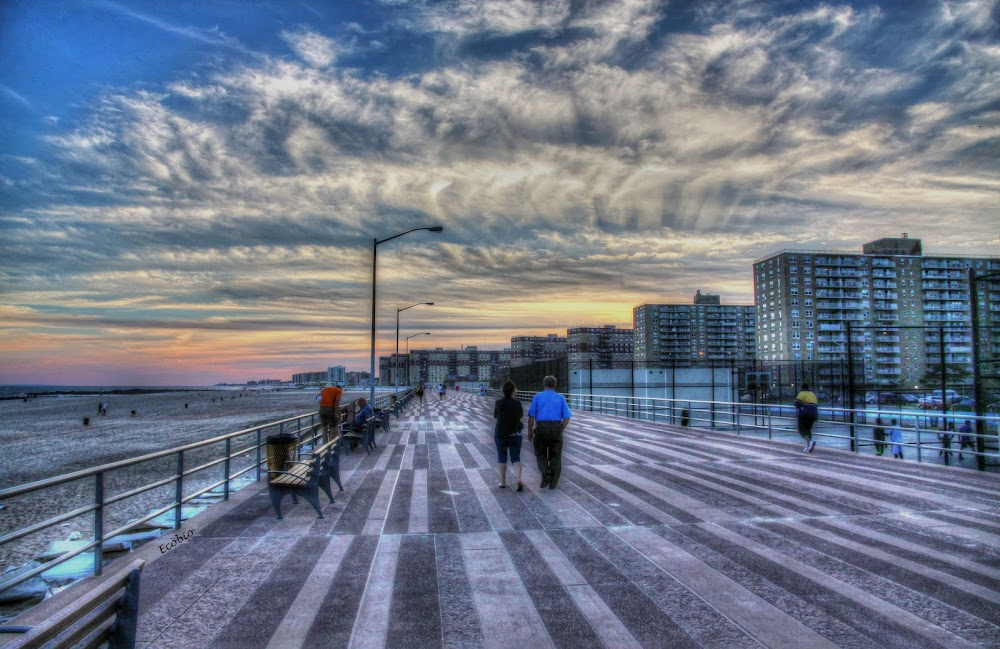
<point x="180" y="490"/>
<point x="767" y="409"/>
<point x="225" y="490"/>
<point x="919" y="449"/>
<point x="99" y="523"/>
<point x="258" y="455"/>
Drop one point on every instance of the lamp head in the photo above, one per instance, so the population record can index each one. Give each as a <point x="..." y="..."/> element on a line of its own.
<point x="429" y="303"/>
<point x="436" y="228"/>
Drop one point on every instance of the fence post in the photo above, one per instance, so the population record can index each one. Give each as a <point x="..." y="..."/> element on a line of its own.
<point x="180" y="490"/>
<point x="99" y="523"/>
<point x="225" y="489"/>
<point x="767" y="409"/>
<point x="919" y="454"/>
<point x="258" y="455"/>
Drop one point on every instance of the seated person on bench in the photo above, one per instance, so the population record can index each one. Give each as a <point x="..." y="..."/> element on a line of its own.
<point x="364" y="413"/>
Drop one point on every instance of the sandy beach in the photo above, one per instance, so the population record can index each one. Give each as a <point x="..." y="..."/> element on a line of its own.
<point x="45" y="437"/>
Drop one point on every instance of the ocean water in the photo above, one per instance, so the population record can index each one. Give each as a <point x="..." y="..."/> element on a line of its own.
<point x="7" y="391"/>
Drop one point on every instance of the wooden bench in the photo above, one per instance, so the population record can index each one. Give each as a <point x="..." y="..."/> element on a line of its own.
<point x="302" y="478"/>
<point x="330" y="467"/>
<point x="107" y="614"/>
<point x="366" y="437"/>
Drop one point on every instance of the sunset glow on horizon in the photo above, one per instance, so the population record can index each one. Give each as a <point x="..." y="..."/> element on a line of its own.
<point x="189" y="192"/>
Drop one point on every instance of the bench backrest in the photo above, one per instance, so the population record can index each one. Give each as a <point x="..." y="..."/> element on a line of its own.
<point x="109" y="613"/>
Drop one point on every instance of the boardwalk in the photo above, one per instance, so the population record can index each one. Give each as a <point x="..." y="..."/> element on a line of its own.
<point x="657" y="537"/>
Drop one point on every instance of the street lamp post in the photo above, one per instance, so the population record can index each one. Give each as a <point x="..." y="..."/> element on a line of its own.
<point x="395" y="359"/>
<point x="424" y="333"/>
<point x="375" y="244"/>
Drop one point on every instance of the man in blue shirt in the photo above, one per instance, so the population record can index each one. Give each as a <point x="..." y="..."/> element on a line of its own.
<point x="547" y="419"/>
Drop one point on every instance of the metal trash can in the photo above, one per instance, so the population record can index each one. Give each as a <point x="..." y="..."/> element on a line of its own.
<point x="280" y="451"/>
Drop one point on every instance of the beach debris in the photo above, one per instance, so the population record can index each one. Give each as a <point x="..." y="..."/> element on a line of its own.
<point x="34" y="588"/>
<point x="78" y="567"/>
<point x="166" y="519"/>
<point x="74" y="536"/>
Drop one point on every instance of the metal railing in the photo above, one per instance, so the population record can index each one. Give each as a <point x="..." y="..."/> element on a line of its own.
<point x="248" y="442"/>
<point x="847" y="428"/>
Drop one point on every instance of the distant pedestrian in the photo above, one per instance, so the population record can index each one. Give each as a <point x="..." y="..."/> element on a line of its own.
<point x="896" y="437"/>
<point x="945" y="438"/>
<point x="965" y="438"/>
<point x="878" y="435"/>
<point x="329" y="409"/>
<point x="507" y="435"/>
<point x="806" y="413"/>
<point x="420" y="393"/>
<point x="548" y="416"/>
<point x="442" y="390"/>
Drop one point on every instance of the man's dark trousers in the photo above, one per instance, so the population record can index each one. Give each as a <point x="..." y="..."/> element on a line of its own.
<point x="548" y="450"/>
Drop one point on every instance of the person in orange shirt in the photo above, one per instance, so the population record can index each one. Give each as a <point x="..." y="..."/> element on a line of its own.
<point x="329" y="409"/>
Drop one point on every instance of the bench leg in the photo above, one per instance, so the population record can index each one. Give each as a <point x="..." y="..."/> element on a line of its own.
<point x="324" y="484"/>
<point x="313" y="497"/>
<point x="276" y="501"/>
<point x="335" y="474"/>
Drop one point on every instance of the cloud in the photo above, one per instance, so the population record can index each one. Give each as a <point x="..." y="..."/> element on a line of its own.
<point x="315" y="49"/>
<point x="588" y="154"/>
<point x="211" y="36"/>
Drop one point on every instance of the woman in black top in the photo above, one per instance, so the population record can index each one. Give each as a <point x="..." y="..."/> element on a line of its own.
<point x="508" y="412"/>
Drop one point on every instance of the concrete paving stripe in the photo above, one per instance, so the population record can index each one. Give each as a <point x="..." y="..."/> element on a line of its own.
<point x="607" y="625"/>
<point x="450" y="458"/>
<point x="774" y="504"/>
<point x="185" y="592"/>
<point x="377" y="514"/>
<point x="971" y="520"/>
<point x="422" y="437"/>
<point x="932" y="634"/>
<point x="560" y="566"/>
<point x="672" y="498"/>
<point x="481" y="461"/>
<point x="569" y="512"/>
<point x="506" y="613"/>
<point x="498" y="520"/>
<point x="385" y="454"/>
<point x="872" y="550"/>
<point x="219" y="594"/>
<point x="372" y="620"/>
<point x="415" y="613"/>
<point x="871" y="485"/>
<point x="929" y="522"/>
<point x="760" y="619"/>
<point x="407" y="458"/>
<point x="623" y="495"/>
<point x="705" y="448"/>
<point x="934" y="557"/>
<point x="418" y="503"/>
<point x="294" y="627"/>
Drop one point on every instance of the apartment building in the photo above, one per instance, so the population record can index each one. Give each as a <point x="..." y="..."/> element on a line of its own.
<point x="604" y="347"/>
<point x="706" y="329"/>
<point x="900" y="310"/>
<point x="525" y="350"/>
<point x="442" y="366"/>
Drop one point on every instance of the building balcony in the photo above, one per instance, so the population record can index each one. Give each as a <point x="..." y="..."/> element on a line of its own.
<point x="886" y="306"/>
<point x="888" y="371"/>
<point x="883" y="349"/>
<point x="886" y="317"/>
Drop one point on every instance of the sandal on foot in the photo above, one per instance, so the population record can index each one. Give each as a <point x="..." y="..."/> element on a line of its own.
<point x="520" y="486"/>
<point x="502" y="485"/>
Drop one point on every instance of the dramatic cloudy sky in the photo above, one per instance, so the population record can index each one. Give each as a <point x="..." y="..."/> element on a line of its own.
<point x="189" y="189"/>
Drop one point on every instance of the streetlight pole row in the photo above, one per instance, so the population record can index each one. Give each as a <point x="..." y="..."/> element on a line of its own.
<point x="375" y="244"/>
<point x="395" y="359"/>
